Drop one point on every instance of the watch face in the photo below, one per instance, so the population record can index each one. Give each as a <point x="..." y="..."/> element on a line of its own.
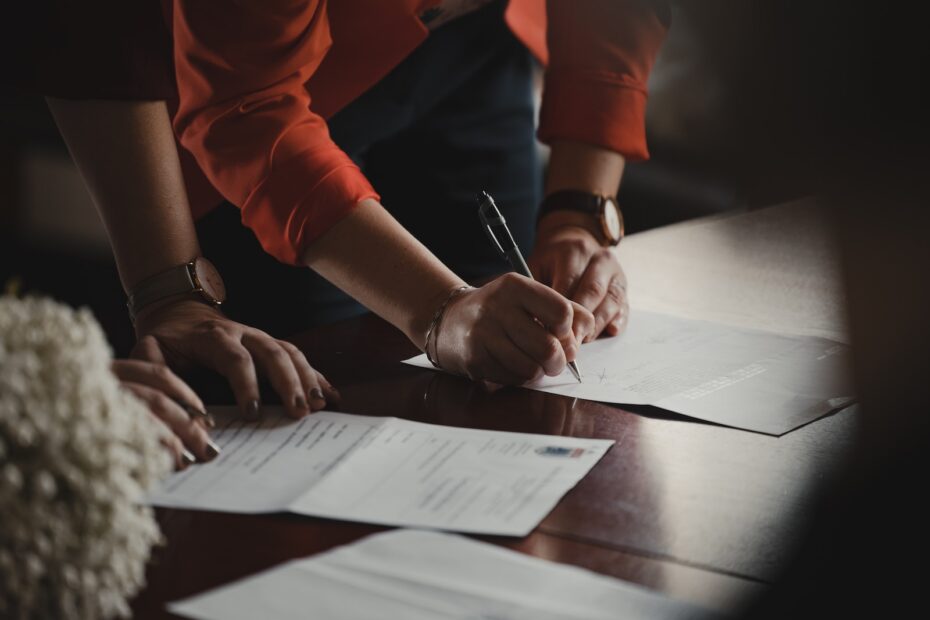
<point x="210" y="280"/>
<point x="613" y="221"/>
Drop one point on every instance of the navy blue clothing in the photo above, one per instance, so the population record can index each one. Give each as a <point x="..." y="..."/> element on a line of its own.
<point x="454" y="118"/>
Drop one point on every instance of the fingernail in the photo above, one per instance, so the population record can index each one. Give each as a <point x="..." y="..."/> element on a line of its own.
<point x="317" y="394"/>
<point x="213" y="450"/>
<point x="299" y="402"/>
<point x="253" y="410"/>
<point x="187" y="457"/>
<point x="329" y="386"/>
<point x="199" y="414"/>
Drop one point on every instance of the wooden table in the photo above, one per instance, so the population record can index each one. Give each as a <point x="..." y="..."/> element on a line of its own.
<point x="701" y="512"/>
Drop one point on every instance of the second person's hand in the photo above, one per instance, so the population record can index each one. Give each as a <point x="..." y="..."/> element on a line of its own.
<point x="175" y="407"/>
<point x="188" y="333"/>
<point x="511" y="331"/>
<point x="571" y="260"/>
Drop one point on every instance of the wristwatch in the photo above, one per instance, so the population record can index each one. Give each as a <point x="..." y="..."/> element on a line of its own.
<point x="603" y="209"/>
<point x="199" y="279"/>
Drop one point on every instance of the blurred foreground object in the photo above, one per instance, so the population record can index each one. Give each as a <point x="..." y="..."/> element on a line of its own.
<point x="77" y="454"/>
<point x="866" y="146"/>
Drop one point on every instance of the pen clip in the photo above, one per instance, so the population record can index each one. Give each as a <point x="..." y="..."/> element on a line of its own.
<point x="491" y="216"/>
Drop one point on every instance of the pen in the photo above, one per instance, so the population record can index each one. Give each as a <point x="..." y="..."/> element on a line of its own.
<point x="496" y="227"/>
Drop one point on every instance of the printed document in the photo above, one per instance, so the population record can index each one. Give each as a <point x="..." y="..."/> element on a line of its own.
<point x="383" y="470"/>
<point x="419" y="575"/>
<point x="744" y="378"/>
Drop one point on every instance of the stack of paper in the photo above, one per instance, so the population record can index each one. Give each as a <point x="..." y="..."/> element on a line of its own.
<point x="418" y="575"/>
<point x="744" y="378"/>
<point x="384" y="470"/>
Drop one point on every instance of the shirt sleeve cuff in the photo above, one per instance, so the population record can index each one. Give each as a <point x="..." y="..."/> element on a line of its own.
<point x="286" y="217"/>
<point x="602" y="109"/>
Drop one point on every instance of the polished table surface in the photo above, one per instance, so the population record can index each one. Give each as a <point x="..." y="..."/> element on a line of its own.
<point x="701" y="512"/>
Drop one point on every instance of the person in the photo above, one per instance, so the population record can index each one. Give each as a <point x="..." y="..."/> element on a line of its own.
<point x="114" y="119"/>
<point x="434" y="101"/>
<point x="126" y="153"/>
<point x="295" y="112"/>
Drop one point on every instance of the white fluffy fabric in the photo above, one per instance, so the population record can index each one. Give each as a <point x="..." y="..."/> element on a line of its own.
<point x="77" y="454"/>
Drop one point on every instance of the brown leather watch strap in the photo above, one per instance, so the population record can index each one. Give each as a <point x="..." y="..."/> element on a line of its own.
<point x="605" y="216"/>
<point x="174" y="281"/>
<point x="570" y="200"/>
<point x="198" y="278"/>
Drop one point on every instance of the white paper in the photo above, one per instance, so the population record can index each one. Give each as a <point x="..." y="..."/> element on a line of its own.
<point x="744" y="378"/>
<point x="417" y="575"/>
<point x="384" y="470"/>
<point x="777" y="268"/>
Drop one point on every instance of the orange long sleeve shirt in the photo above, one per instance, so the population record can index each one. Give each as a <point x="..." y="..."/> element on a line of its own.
<point x="256" y="80"/>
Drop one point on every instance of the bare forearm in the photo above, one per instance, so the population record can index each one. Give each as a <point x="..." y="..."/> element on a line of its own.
<point x="575" y="165"/>
<point x="375" y="260"/>
<point x="127" y="155"/>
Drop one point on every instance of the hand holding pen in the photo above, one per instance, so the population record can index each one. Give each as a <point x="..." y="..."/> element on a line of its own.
<point x="511" y="331"/>
<point x="496" y="228"/>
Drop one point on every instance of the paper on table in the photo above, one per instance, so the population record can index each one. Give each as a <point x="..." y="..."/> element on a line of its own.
<point x="384" y="470"/>
<point x="419" y="575"/>
<point x="776" y="268"/>
<point x="744" y="378"/>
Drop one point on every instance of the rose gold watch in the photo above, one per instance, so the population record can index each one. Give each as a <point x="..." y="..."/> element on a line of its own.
<point x="603" y="209"/>
<point x="199" y="279"/>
